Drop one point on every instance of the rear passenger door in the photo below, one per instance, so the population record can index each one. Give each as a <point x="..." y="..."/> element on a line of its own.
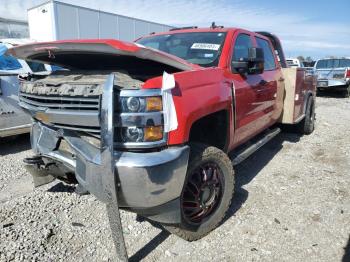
<point x="268" y="84"/>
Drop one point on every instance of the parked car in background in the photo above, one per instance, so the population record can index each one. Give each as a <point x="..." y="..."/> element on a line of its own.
<point x="13" y="120"/>
<point x="295" y="62"/>
<point x="334" y="75"/>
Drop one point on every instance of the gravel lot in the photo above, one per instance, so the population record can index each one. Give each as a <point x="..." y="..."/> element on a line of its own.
<point x="292" y="203"/>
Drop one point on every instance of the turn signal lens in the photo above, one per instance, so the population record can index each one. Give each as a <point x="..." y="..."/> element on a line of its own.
<point x="154" y="103"/>
<point x="153" y="133"/>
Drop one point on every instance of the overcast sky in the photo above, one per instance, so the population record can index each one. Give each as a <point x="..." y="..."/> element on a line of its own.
<point x="310" y="28"/>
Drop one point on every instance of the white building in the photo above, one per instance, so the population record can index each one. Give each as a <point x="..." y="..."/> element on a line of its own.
<point x="54" y="20"/>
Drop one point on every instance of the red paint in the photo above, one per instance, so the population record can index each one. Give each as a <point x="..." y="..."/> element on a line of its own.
<point x="207" y="90"/>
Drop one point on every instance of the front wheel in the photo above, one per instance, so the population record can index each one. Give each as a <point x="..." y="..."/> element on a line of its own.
<point x="207" y="192"/>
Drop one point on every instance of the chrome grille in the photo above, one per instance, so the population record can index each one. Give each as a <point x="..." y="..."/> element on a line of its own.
<point x="76" y="113"/>
<point x="61" y="102"/>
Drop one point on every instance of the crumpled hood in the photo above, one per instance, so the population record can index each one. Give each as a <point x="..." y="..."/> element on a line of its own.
<point x="104" y="53"/>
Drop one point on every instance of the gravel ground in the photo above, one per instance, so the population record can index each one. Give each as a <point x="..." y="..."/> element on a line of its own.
<point x="292" y="203"/>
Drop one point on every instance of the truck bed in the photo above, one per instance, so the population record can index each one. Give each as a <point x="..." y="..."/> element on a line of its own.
<point x="297" y="83"/>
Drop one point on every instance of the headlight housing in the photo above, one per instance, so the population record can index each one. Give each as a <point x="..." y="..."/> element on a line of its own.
<point x="139" y="119"/>
<point x="141" y="104"/>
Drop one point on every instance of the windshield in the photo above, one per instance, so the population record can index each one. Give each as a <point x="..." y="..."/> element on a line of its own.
<point x="9" y="63"/>
<point x="332" y="63"/>
<point x="202" y="48"/>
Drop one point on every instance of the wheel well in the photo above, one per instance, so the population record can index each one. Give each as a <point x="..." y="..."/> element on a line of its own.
<point x="211" y="130"/>
<point x="308" y="95"/>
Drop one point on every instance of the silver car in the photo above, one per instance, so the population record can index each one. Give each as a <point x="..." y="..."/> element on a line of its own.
<point x="13" y="120"/>
<point x="333" y="74"/>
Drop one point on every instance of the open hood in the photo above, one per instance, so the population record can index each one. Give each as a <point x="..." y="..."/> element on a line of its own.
<point x="105" y="54"/>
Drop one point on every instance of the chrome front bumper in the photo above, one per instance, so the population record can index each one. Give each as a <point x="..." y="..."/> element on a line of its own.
<point x="144" y="181"/>
<point x="149" y="183"/>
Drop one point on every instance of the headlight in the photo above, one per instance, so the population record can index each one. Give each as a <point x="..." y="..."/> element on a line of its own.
<point x="138" y="134"/>
<point x="132" y="134"/>
<point x="134" y="104"/>
<point x="139" y="119"/>
<point x="141" y="104"/>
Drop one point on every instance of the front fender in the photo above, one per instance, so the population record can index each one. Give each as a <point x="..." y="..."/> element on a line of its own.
<point x="197" y="94"/>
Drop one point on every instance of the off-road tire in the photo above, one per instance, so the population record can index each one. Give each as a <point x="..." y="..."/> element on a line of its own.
<point x="307" y="125"/>
<point x="201" y="153"/>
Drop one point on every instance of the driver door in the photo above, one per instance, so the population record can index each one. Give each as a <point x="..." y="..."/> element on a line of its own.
<point x="249" y="91"/>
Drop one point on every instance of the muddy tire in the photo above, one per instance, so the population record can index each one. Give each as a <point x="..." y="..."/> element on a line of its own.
<point x="207" y="192"/>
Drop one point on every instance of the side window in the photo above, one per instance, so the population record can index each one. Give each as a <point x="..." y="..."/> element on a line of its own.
<point x="270" y="62"/>
<point x="36" y="67"/>
<point x="241" y="48"/>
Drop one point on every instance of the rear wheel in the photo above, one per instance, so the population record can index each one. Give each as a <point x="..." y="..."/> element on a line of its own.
<point x="207" y="192"/>
<point x="307" y="125"/>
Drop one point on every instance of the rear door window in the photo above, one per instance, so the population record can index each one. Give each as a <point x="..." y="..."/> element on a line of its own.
<point x="270" y="62"/>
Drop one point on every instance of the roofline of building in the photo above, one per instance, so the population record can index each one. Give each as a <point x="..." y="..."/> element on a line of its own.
<point x="13" y="21"/>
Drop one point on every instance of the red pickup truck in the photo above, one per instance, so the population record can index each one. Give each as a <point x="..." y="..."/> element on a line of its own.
<point x="159" y="143"/>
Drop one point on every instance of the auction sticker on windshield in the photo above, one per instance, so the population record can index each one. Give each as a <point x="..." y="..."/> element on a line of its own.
<point x="205" y="46"/>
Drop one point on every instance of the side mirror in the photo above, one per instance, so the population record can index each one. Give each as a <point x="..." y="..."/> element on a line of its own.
<point x="252" y="65"/>
<point x="256" y="60"/>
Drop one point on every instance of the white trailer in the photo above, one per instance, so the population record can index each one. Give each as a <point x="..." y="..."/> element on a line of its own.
<point x="55" y="20"/>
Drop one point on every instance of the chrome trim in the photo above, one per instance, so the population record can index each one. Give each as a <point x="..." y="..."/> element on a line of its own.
<point x="140" y="119"/>
<point x="60" y="105"/>
<point x="152" y="179"/>
<point x="141" y="145"/>
<point x="76" y="118"/>
<point x="17" y="130"/>
<point x="140" y="92"/>
<point x="68" y="162"/>
<point x="109" y="178"/>
<point x="83" y="129"/>
<point x="84" y="99"/>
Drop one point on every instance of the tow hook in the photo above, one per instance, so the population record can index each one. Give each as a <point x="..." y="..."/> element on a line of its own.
<point x="36" y="167"/>
<point x="34" y="160"/>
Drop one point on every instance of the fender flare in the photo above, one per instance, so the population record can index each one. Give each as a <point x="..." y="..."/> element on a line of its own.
<point x="307" y="95"/>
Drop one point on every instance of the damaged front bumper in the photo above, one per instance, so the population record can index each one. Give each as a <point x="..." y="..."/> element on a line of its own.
<point x="148" y="183"/>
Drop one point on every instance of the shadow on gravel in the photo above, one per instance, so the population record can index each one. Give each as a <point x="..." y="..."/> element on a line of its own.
<point x="248" y="169"/>
<point x="150" y="246"/>
<point x="13" y="145"/>
<point x="331" y="94"/>
<point x="62" y="188"/>
<point x="346" y="256"/>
